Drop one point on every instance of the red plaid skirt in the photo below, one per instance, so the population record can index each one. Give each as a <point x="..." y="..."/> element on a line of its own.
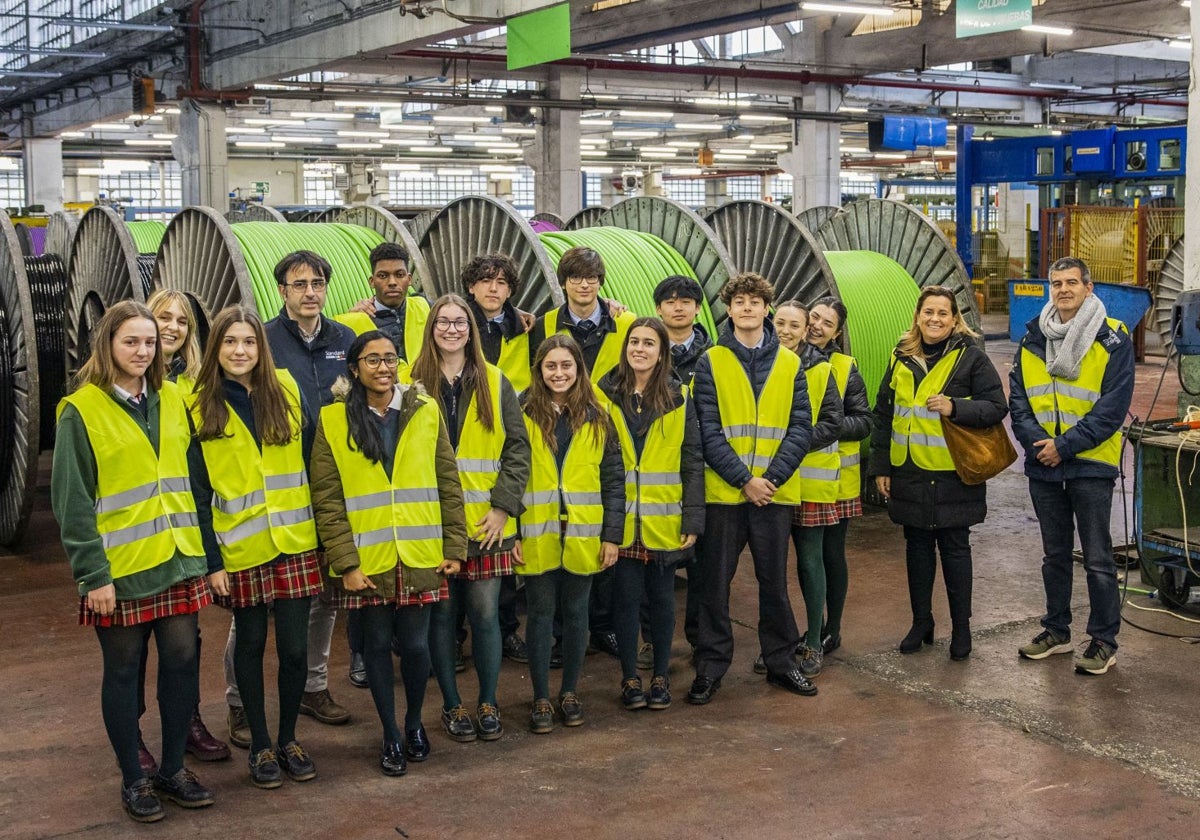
<point x="815" y="514"/>
<point x="496" y="564"/>
<point x="849" y="508"/>
<point x="635" y="551"/>
<point x="187" y="596"/>
<point x="354" y="600"/>
<point x="288" y="576"/>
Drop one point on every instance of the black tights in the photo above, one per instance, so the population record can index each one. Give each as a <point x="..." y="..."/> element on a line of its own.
<point x="291" y="646"/>
<point x="178" y="689"/>
<point x="410" y="627"/>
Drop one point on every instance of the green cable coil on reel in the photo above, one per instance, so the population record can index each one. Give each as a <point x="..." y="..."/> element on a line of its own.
<point x="147" y="236"/>
<point x="634" y="263"/>
<point x="880" y="298"/>
<point x="346" y="247"/>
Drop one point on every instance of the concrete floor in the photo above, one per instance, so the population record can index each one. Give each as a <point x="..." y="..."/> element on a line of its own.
<point x="893" y="745"/>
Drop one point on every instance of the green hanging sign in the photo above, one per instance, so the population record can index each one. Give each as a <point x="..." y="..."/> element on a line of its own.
<point x="983" y="17"/>
<point x="539" y="37"/>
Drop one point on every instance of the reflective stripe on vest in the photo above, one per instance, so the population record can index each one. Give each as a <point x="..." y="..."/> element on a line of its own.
<point x="544" y="544"/>
<point x="261" y="502"/>
<point x="396" y="518"/>
<point x="819" y="469"/>
<point x="917" y="431"/>
<point x="479" y="456"/>
<point x="610" y="349"/>
<point x="1059" y="404"/>
<point x="144" y="507"/>
<point x="756" y="426"/>
<point x="653" y="485"/>
<point x="850" y="473"/>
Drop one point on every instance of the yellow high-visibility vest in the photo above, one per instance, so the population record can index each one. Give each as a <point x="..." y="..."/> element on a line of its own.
<point x="416" y="315"/>
<point x="262" y="504"/>
<point x="819" y="469"/>
<point x="397" y="518"/>
<point x="849" y="451"/>
<point x="610" y="351"/>
<point x="917" y="431"/>
<point x="754" y="427"/>
<point x="479" y="456"/>
<point x="545" y="544"/>
<point x="145" y="512"/>
<point x="653" y="484"/>
<point x="514" y="361"/>
<point x="1058" y="404"/>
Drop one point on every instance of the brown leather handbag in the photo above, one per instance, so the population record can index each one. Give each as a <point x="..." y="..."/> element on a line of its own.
<point x="978" y="454"/>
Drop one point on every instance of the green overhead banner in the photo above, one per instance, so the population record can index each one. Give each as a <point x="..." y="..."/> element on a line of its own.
<point x="983" y="17"/>
<point x="539" y="37"/>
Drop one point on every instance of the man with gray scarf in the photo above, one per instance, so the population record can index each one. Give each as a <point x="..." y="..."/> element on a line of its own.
<point x="1070" y="389"/>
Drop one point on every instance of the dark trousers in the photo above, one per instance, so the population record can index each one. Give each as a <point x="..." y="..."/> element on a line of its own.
<point x="178" y="688"/>
<point x="694" y="571"/>
<point x="921" y="549"/>
<point x="1062" y="508"/>
<point x="639" y="583"/>
<point x="727" y="530"/>
<point x="600" y="605"/>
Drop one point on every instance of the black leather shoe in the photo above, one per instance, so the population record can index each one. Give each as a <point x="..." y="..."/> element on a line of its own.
<point x="184" y="789"/>
<point x="605" y="643"/>
<point x="571" y="709"/>
<point x="265" y="771"/>
<point x="830" y="643"/>
<point x="513" y="647"/>
<point x="632" y="695"/>
<point x="489" y="728"/>
<point x="140" y="801"/>
<point x="920" y="632"/>
<point x="458" y="724"/>
<point x="295" y="761"/>
<point x="960" y="642"/>
<point x="416" y="744"/>
<point x="702" y="690"/>
<point x="760" y="667"/>
<point x="392" y="761"/>
<point x="794" y="681"/>
<point x="358" y="671"/>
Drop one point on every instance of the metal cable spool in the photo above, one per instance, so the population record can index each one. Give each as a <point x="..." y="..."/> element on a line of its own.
<point x="19" y="390"/>
<point x="766" y="239"/>
<point x="102" y="270"/>
<point x="385" y="223"/>
<point x="24" y="239"/>
<point x="473" y="225"/>
<point x="255" y="213"/>
<point x="905" y="235"/>
<point x="215" y="263"/>
<point x="47" y="278"/>
<point x="420" y="223"/>
<point x="814" y="217"/>
<point x="682" y="229"/>
<point x="549" y="218"/>
<point x="326" y="215"/>
<point x="1170" y="285"/>
<point x="60" y="234"/>
<point x="587" y="217"/>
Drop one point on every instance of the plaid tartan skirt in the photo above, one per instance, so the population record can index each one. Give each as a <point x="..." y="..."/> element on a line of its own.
<point x="187" y="596"/>
<point x="849" y="508"/>
<point x="815" y="514"/>
<point x="635" y="551"/>
<point x="288" y="576"/>
<point x="356" y="600"/>
<point x="495" y="564"/>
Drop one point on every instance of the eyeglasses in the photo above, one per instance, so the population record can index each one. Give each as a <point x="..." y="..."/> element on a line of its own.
<point x="583" y="281"/>
<point x="374" y="360"/>
<point x="401" y="274"/>
<point x="299" y="286"/>
<point x="458" y="324"/>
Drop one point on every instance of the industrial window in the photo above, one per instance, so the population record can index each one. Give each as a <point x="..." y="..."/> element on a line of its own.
<point x="744" y="187"/>
<point x="689" y="191"/>
<point x="319" y="190"/>
<point x="12" y="184"/>
<point x="1045" y="161"/>
<point x="155" y="192"/>
<point x="1169" y="154"/>
<point x="593" y="194"/>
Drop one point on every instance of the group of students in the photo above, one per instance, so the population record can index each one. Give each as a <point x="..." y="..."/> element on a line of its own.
<point x="463" y="443"/>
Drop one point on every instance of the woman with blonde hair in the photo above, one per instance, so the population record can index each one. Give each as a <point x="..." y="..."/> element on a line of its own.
<point x="177" y="333"/>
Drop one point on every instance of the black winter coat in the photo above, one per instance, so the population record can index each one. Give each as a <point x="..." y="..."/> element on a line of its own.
<point x="757" y="364"/>
<point x="828" y="427"/>
<point x="684" y="364"/>
<point x="691" y="461"/>
<point x="315" y="366"/>
<point x="857" y="417"/>
<point x="934" y="499"/>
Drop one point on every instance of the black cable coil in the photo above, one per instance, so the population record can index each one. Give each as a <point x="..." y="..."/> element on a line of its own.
<point x="8" y="402"/>
<point x="146" y="271"/>
<point x="47" y="289"/>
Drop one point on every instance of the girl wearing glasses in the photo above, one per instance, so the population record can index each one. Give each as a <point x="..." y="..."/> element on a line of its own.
<point x="573" y="519"/>
<point x="483" y="418"/>
<point x="259" y="533"/>
<point x="389" y="510"/>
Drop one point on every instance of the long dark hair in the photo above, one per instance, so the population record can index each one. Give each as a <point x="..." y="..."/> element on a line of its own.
<point x="839" y="309"/>
<point x="274" y="419"/>
<point x="579" y="404"/>
<point x="427" y="369"/>
<point x="658" y="396"/>
<point x="362" y="431"/>
<point x="101" y="368"/>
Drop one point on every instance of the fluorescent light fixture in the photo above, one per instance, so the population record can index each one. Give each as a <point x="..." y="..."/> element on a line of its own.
<point x="259" y="144"/>
<point x="503" y="150"/>
<point x="103" y="126"/>
<point x="497" y="167"/>
<point x="461" y="120"/>
<point x="407" y="142"/>
<point x="852" y="109"/>
<point x="848" y="8"/>
<point x="732" y="155"/>
<point x="368" y="103"/>
<point x="72" y="134"/>
<point x="682" y="144"/>
<point x="658" y="154"/>
<point x="945" y="153"/>
<point x="1180" y="45"/>
<point x="1048" y="30"/>
<point x="426" y="150"/>
<point x="500" y="176"/>
<point x="662" y="115"/>
<point x="891" y="156"/>
<point x="763" y="118"/>
<point x="400" y="167"/>
<point x="133" y="141"/>
<point x="520" y="132"/>
<point x="593" y="153"/>
<point x="270" y="121"/>
<point x="494" y="109"/>
<point x="319" y="115"/>
<point x="770" y="147"/>
<point x="452" y="171"/>
<point x="241" y="129"/>
<point x="360" y="145"/>
<point x="685" y="170"/>
<point x="745" y="135"/>
<point x="81" y="23"/>
<point x="854" y="150"/>
<point x="32" y="74"/>
<point x="59" y="53"/>
<point x="596" y="122"/>
<point x="356" y="133"/>
<point x="597" y="170"/>
<point x="1187" y="4"/>
<point x="687" y="126"/>
<point x="633" y="134"/>
<point x="169" y="110"/>
<point x="498" y="144"/>
<point x="164" y="136"/>
<point x="473" y="138"/>
<point x="297" y="139"/>
<point x="666" y="148"/>
<point x="1055" y="86"/>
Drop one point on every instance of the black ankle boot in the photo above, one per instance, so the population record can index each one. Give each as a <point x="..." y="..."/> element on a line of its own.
<point x="960" y="642"/>
<point x="921" y="631"/>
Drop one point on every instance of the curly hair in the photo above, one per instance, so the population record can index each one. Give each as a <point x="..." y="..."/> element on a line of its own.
<point x="748" y="283"/>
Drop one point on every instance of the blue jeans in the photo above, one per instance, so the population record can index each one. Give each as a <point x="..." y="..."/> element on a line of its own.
<point x="1062" y="508"/>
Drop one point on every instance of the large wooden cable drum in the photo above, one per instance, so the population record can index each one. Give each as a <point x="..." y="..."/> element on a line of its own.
<point x="587" y="217"/>
<point x="388" y="226"/>
<point x="255" y="213"/>
<point x="1170" y="285"/>
<point x="814" y="217"/>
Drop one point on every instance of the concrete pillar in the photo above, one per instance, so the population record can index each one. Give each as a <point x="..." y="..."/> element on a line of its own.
<point x="42" y="160"/>
<point x="814" y="161"/>
<point x="201" y="151"/>
<point x="558" y="182"/>
<point x="716" y="192"/>
<point x="1191" y="224"/>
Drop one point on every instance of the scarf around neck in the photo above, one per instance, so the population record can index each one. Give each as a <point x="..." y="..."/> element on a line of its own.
<point x="1066" y="344"/>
